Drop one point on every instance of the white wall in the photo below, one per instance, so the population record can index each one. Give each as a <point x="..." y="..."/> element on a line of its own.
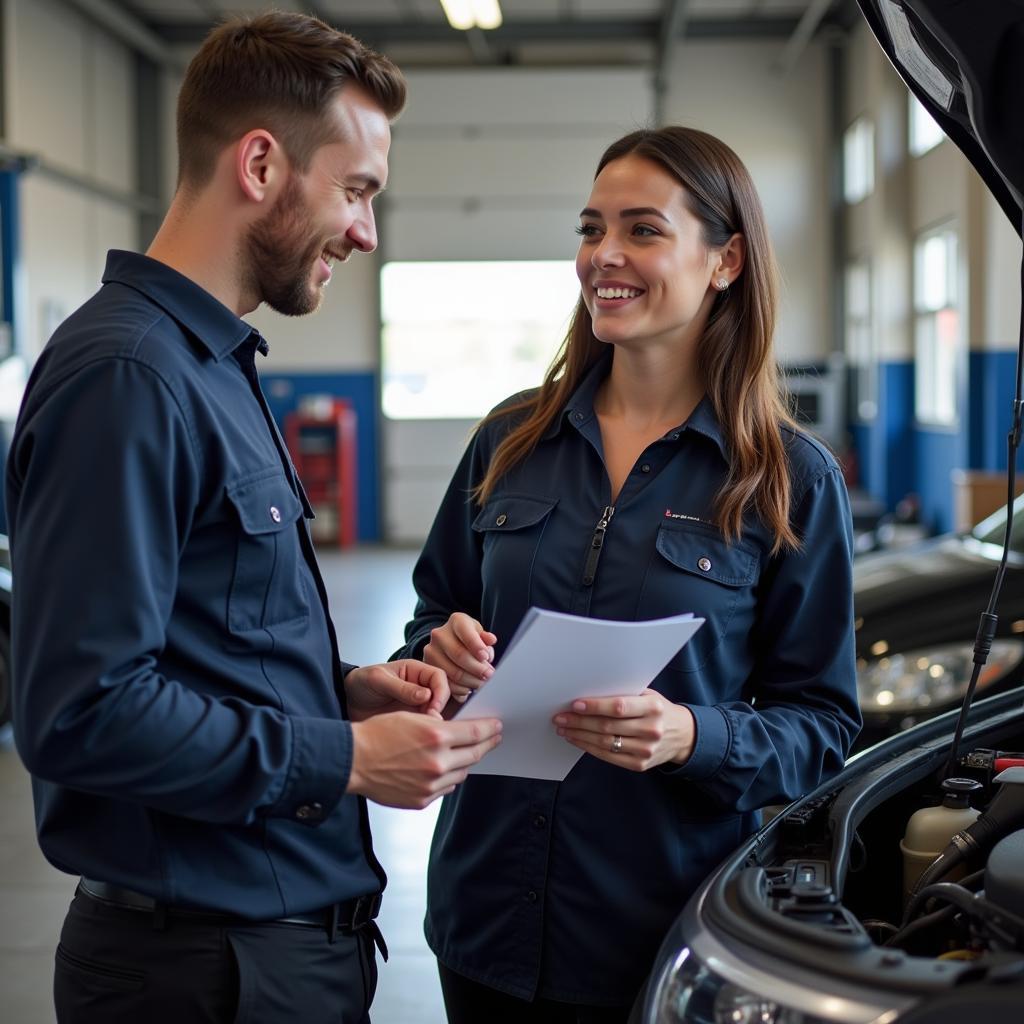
<point x="70" y="99"/>
<point x="778" y="125"/>
<point x="1001" y="295"/>
<point x="878" y="227"/>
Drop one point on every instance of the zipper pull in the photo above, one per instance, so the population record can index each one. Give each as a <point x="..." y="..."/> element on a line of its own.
<point x="596" y="543"/>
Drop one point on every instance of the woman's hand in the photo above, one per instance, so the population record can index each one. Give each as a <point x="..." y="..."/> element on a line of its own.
<point x="404" y="685"/>
<point x="637" y="733"/>
<point x="464" y="650"/>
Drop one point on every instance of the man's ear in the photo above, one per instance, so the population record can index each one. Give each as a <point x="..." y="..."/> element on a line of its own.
<point x="259" y="164"/>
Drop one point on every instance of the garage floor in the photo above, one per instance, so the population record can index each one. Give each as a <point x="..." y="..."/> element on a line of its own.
<point x="371" y="597"/>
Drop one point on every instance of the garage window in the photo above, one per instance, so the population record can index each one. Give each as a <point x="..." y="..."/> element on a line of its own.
<point x="938" y="347"/>
<point x="458" y="337"/>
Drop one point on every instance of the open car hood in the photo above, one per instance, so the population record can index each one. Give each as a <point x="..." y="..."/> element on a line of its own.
<point x="964" y="60"/>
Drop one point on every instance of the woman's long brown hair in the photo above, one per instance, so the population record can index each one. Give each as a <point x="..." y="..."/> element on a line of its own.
<point x="735" y="352"/>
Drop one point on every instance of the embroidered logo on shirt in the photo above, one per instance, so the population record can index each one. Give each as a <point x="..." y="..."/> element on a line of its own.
<point x="669" y="514"/>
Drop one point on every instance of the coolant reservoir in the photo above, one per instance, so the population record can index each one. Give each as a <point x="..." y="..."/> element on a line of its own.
<point x="930" y="829"/>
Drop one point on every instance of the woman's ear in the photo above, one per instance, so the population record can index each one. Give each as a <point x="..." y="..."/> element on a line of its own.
<point x="731" y="259"/>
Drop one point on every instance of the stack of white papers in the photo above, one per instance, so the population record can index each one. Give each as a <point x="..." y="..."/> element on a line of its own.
<point x="554" y="659"/>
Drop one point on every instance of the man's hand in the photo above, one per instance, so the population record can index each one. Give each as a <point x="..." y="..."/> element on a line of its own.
<point x="396" y="686"/>
<point x="409" y="760"/>
<point x="465" y="650"/>
<point x="637" y="733"/>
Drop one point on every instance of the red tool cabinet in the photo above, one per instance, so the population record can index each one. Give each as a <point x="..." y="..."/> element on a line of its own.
<point x="322" y="444"/>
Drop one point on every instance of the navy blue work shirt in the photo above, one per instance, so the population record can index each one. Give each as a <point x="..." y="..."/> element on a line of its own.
<point x="177" y="691"/>
<point x="564" y="890"/>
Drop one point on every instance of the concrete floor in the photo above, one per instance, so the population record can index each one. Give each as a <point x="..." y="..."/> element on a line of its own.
<point x="371" y="597"/>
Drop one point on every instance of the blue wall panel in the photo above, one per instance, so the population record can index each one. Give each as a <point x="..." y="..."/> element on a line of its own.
<point x="898" y="456"/>
<point x="897" y="414"/>
<point x="885" y="445"/>
<point x="939" y="452"/>
<point x="284" y="390"/>
<point x="869" y="467"/>
<point x="991" y="389"/>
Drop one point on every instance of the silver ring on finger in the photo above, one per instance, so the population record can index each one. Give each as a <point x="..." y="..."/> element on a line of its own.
<point x="616" y="744"/>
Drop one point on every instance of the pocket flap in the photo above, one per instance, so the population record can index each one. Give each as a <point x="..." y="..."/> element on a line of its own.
<point x="708" y="556"/>
<point x="512" y="512"/>
<point x="265" y="505"/>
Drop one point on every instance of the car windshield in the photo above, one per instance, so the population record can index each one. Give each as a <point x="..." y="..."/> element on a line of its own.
<point x="991" y="530"/>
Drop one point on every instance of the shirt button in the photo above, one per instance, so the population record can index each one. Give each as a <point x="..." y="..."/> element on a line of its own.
<point x="501" y="520"/>
<point x="645" y="468"/>
<point x="577" y="416"/>
<point x="531" y="897"/>
<point x="275" y="513"/>
<point x="704" y="564"/>
<point x="309" y="812"/>
<point x="539" y="821"/>
<point x="673" y="437"/>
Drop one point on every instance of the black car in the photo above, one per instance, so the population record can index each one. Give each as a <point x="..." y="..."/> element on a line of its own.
<point x="916" y="616"/>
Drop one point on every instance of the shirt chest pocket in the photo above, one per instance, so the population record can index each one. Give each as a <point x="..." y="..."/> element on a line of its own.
<point x="267" y="586"/>
<point x="694" y="569"/>
<point x="510" y="527"/>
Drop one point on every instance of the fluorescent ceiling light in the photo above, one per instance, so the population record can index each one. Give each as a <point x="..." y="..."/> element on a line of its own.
<point x="459" y="13"/>
<point x="487" y="13"/>
<point x="466" y="14"/>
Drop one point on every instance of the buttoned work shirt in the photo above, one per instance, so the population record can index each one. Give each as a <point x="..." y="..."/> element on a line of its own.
<point x="566" y="889"/>
<point x="177" y="690"/>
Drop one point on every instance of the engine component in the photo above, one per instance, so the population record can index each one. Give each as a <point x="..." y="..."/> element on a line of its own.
<point x="930" y="829"/>
<point x="1004" y="873"/>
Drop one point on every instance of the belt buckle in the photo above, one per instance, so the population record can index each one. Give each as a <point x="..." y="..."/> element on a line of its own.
<point x="366" y="909"/>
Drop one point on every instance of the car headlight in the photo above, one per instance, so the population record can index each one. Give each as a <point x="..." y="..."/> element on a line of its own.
<point x="689" y="992"/>
<point x="930" y="677"/>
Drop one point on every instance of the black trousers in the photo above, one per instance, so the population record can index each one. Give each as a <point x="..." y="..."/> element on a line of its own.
<point x="470" y="1002"/>
<point x="117" y="965"/>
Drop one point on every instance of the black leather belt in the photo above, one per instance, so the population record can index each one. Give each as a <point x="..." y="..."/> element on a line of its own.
<point x="347" y="917"/>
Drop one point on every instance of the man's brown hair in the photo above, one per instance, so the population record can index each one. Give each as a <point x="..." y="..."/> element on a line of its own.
<point x="277" y="71"/>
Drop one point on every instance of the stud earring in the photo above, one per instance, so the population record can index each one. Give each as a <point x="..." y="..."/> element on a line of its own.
<point x="721" y="284"/>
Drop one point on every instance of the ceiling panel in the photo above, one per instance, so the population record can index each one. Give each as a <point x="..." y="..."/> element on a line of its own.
<point x="338" y="11"/>
<point x="569" y="31"/>
<point x="165" y="10"/>
<point x="619" y="9"/>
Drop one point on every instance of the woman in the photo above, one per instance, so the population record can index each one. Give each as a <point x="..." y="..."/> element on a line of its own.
<point x="655" y="471"/>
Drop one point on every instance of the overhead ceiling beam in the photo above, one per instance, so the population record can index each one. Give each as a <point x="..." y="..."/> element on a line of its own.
<point x="128" y="29"/>
<point x="803" y="33"/>
<point x="476" y="40"/>
<point x="674" y="18"/>
<point x="517" y="33"/>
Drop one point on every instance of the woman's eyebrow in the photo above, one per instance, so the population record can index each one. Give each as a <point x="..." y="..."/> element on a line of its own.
<point x="633" y="211"/>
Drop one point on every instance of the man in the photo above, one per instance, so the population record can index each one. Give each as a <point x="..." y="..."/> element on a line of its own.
<point x="200" y="754"/>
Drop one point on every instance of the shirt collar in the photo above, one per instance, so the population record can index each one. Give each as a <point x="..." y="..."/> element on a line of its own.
<point x="215" y="326"/>
<point x="579" y="410"/>
<point x="580" y="407"/>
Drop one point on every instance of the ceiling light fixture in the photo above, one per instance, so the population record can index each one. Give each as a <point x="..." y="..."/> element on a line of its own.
<point x="467" y="14"/>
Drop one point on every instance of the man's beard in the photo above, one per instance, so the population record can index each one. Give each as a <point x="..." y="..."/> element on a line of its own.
<point x="280" y="259"/>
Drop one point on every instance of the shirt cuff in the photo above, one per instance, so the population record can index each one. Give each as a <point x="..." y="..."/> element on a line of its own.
<point x="710" y="747"/>
<point x="414" y="648"/>
<point x="320" y="767"/>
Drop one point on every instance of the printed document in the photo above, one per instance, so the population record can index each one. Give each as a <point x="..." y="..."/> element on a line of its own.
<point x="554" y="659"/>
